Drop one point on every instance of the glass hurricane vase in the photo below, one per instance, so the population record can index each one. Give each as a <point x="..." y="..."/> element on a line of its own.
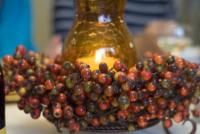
<point x="99" y="34"/>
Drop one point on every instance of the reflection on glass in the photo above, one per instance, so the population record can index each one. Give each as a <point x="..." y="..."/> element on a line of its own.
<point x="175" y="41"/>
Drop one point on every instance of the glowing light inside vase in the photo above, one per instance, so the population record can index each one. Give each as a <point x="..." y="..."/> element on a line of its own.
<point x="101" y="55"/>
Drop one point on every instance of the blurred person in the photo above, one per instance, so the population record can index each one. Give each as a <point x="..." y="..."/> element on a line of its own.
<point x="138" y="14"/>
<point x="15" y="25"/>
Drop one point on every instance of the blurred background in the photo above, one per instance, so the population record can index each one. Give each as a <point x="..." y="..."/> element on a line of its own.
<point x="159" y="25"/>
<point x="170" y="26"/>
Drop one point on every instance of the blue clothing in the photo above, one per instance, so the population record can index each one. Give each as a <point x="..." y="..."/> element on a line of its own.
<point x="15" y="25"/>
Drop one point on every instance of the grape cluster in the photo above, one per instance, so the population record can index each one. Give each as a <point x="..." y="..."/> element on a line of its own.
<point x="71" y="95"/>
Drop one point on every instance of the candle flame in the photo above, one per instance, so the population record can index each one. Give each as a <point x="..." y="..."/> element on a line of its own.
<point x="100" y="54"/>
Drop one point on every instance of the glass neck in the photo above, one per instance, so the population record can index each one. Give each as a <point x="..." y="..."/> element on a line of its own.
<point x="100" y="10"/>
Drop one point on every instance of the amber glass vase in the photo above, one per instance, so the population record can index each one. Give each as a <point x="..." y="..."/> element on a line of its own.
<point x="99" y="34"/>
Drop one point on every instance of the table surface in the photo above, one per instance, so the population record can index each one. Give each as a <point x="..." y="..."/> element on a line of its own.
<point x="19" y="123"/>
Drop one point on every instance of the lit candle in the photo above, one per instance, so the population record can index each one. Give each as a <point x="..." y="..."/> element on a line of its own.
<point x="100" y="56"/>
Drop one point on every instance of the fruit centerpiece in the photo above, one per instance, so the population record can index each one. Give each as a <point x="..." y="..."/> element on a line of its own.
<point x="96" y="84"/>
<point x="72" y="96"/>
